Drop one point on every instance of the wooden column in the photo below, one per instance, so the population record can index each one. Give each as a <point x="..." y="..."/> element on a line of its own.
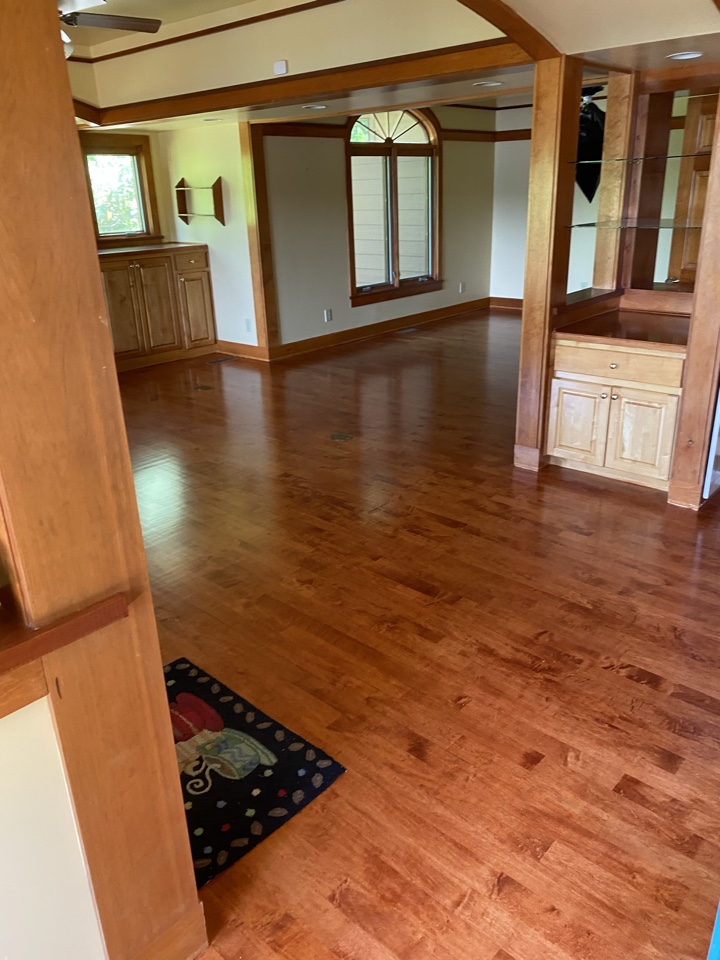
<point x="257" y="212"/>
<point x="613" y="180"/>
<point x="71" y="534"/>
<point x="647" y="182"/>
<point x="556" y="118"/>
<point x="702" y="367"/>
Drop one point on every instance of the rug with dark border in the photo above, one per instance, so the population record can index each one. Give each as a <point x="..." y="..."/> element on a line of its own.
<point x="243" y="774"/>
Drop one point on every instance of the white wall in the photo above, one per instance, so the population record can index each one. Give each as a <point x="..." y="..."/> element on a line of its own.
<point x="309" y="226"/>
<point x="201" y="155"/>
<point x="670" y="191"/>
<point x="510" y="208"/>
<point x="47" y="909"/>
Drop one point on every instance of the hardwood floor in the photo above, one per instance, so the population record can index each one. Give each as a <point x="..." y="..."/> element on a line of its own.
<point x="521" y="674"/>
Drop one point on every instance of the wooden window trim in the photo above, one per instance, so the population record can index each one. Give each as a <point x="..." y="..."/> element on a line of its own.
<point x="411" y="287"/>
<point x="138" y="146"/>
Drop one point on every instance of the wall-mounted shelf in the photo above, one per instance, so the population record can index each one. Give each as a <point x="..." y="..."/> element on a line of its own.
<point x="182" y="193"/>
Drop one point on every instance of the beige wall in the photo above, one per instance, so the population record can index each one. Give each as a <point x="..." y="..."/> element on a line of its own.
<point x="510" y="208"/>
<point x="309" y="225"/>
<point x="353" y="31"/>
<point x="200" y="155"/>
<point x="47" y="908"/>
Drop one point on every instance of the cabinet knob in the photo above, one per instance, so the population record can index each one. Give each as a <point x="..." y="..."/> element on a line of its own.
<point x="182" y="279"/>
<point x="614" y="396"/>
<point x="603" y="396"/>
<point x="192" y="261"/>
<point x="613" y="366"/>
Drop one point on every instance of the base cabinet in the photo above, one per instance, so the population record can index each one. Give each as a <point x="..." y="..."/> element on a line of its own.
<point x="160" y="304"/>
<point x="578" y="424"/>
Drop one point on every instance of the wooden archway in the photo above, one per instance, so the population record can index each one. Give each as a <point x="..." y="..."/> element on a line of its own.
<point x="515" y="27"/>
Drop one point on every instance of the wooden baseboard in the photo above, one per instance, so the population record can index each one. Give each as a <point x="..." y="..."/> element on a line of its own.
<point x="511" y="304"/>
<point x="528" y="458"/>
<point x="186" y="939"/>
<point x="608" y="474"/>
<point x="284" y="350"/>
<point x="138" y="362"/>
<point x="683" y="494"/>
<point x="244" y="350"/>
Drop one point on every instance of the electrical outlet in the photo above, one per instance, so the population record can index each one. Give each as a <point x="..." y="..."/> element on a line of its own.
<point x="461" y="287"/>
<point x="327" y="316"/>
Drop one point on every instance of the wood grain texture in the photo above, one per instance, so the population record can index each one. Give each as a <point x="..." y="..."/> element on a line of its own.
<point x="702" y="367"/>
<point x="257" y="215"/>
<point x="20" y="645"/>
<point x="611" y="194"/>
<point x="220" y="28"/>
<point x="20" y="686"/>
<point x="514" y="26"/>
<point x="68" y="503"/>
<point x="462" y="61"/>
<point x="553" y="150"/>
<point x="692" y="75"/>
<point x="181" y="941"/>
<point x="518" y="670"/>
<point x="657" y="301"/>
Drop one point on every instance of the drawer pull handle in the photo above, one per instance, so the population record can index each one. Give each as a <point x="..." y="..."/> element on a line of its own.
<point x="613" y="366"/>
<point x="603" y="396"/>
<point x="182" y="279"/>
<point x="192" y="261"/>
<point x="614" y="396"/>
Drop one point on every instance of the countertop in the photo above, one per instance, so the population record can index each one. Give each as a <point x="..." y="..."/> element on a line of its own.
<point x="170" y="247"/>
<point x="644" y="328"/>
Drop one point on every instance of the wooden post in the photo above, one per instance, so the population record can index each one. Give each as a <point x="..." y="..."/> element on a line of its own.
<point x="258" y="219"/>
<point x="71" y="534"/>
<point x="611" y="201"/>
<point x="702" y="367"/>
<point x="556" y="119"/>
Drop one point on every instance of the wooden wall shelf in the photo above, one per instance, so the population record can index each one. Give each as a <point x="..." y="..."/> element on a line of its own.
<point x="182" y="193"/>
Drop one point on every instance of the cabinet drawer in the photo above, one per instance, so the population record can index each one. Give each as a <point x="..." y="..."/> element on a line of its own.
<point x="613" y="365"/>
<point x="197" y="260"/>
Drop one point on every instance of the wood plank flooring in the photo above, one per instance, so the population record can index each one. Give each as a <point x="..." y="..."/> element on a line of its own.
<point x="521" y="674"/>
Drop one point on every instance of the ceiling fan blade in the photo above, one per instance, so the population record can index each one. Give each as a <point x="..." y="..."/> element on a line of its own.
<point x="108" y="20"/>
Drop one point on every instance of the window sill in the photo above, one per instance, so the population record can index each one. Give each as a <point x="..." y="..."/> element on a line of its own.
<point x="411" y="288"/>
<point x="127" y="240"/>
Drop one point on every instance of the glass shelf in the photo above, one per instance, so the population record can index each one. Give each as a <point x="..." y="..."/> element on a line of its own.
<point x="672" y="156"/>
<point x="639" y="225"/>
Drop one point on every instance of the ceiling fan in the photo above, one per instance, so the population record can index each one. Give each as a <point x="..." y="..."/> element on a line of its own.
<point x="72" y="15"/>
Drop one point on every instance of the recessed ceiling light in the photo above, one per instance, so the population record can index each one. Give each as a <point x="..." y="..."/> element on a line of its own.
<point x="684" y="55"/>
<point x="314" y="106"/>
<point x="488" y="83"/>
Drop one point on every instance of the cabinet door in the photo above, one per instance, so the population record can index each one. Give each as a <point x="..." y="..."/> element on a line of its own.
<point x="161" y="320"/>
<point x="577" y="425"/>
<point x="641" y="431"/>
<point x="123" y="308"/>
<point x="197" y="309"/>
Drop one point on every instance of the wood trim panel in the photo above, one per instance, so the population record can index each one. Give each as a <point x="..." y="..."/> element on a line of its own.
<point x="469" y="136"/>
<point x="327" y="130"/>
<point x="257" y="214"/>
<point x="511" y="304"/>
<point x="220" y="28"/>
<point x="23" y="685"/>
<point x="20" y="645"/>
<point x="73" y="532"/>
<point x="87" y="111"/>
<point x="613" y="179"/>
<point x="553" y="149"/>
<point x="407" y="288"/>
<point x="702" y="367"/>
<point x="460" y="61"/>
<point x="179" y="942"/>
<point x="245" y="351"/>
<point x="514" y="26"/>
<point x="503" y="135"/>
<point x="136" y="363"/>
<point x="657" y="301"/>
<point x="693" y="76"/>
<point x="284" y="350"/>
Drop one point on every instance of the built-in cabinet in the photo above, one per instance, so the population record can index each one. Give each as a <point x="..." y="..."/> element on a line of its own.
<point x="613" y="409"/>
<point x="160" y="303"/>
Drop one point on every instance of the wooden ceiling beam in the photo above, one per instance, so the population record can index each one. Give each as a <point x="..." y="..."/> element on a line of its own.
<point x="515" y="27"/>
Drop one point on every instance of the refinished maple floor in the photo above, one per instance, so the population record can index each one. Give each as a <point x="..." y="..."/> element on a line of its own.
<point x="521" y="674"/>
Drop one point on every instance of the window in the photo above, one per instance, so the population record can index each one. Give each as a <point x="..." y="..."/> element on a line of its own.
<point x="120" y="182"/>
<point x="393" y="173"/>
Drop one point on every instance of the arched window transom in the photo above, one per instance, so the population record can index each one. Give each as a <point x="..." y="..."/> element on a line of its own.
<point x="393" y="163"/>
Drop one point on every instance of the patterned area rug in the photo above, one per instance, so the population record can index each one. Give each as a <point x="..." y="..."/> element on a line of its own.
<point x="243" y="775"/>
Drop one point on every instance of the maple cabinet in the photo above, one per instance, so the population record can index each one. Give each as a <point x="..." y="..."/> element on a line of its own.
<point x="613" y="409"/>
<point x="159" y="303"/>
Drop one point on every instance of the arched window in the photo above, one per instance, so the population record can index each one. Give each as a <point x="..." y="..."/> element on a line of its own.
<point x="393" y="161"/>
